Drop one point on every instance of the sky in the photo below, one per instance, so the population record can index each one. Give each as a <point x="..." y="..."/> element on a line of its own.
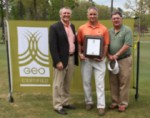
<point x="116" y="3"/>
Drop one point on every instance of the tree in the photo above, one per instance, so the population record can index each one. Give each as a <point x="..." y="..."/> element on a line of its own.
<point x="80" y="11"/>
<point x="54" y="10"/>
<point x="49" y="9"/>
<point x="1" y="12"/>
<point x="29" y="9"/>
<point x="17" y="10"/>
<point x="104" y="12"/>
<point x="57" y="4"/>
<point x="140" y="8"/>
<point x="70" y="3"/>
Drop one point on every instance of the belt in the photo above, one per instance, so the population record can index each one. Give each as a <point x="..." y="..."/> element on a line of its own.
<point x="71" y="54"/>
<point x="124" y="57"/>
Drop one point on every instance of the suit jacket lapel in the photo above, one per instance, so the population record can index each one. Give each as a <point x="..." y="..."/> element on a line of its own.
<point x="72" y="29"/>
<point x="62" y="29"/>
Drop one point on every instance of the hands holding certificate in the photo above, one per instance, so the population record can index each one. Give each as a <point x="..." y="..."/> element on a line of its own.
<point x="82" y="57"/>
<point x="92" y="48"/>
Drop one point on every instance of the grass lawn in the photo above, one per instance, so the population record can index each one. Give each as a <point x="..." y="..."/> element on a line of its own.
<point x="39" y="105"/>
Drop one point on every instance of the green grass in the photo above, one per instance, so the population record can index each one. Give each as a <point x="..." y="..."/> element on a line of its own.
<point x="39" y="105"/>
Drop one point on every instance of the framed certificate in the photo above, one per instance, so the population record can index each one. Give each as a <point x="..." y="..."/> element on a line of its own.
<point x="93" y="46"/>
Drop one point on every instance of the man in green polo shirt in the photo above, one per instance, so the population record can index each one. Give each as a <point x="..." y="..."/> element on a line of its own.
<point x="120" y="50"/>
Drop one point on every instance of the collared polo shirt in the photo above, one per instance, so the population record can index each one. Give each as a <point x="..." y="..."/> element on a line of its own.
<point x="88" y="29"/>
<point x="117" y="40"/>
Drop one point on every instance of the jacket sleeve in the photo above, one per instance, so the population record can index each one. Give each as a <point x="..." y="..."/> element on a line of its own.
<point x="76" y="46"/>
<point x="53" y="43"/>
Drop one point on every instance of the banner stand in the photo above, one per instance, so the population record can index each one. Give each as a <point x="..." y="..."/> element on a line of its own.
<point x="10" y="97"/>
<point x="28" y="58"/>
<point x="11" y="100"/>
<point x="137" y="71"/>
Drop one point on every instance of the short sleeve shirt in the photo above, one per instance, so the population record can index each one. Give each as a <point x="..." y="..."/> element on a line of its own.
<point x="117" y="40"/>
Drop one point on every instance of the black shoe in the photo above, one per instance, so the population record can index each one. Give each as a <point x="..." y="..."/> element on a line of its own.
<point x="69" y="107"/>
<point x="61" y="111"/>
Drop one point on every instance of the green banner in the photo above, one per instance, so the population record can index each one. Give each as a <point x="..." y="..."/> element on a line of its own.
<point x="30" y="61"/>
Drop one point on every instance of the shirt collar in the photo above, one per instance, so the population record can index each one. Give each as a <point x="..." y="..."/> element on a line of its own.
<point x="66" y="25"/>
<point x="96" y="26"/>
<point x="121" y="27"/>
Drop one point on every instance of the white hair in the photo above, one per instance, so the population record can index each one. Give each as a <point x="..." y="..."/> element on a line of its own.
<point x="60" y="11"/>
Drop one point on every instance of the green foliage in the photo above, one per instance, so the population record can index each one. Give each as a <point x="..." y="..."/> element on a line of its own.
<point x="1" y="10"/>
<point x="80" y="12"/>
<point x="43" y="10"/>
<point x="146" y="20"/>
<point x="17" y="10"/>
<point x="141" y="9"/>
<point x="104" y="12"/>
<point x="54" y="10"/>
<point x="29" y="9"/>
<point x="49" y="9"/>
<point x="57" y="4"/>
<point x="70" y="3"/>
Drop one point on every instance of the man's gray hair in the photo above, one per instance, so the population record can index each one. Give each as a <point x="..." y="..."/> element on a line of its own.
<point x="65" y="8"/>
<point x="116" y="12"/>
<point x="92" y="7"/>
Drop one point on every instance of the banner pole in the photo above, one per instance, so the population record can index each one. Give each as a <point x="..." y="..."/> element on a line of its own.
<point x="137" y="71"/>
<point x="138" y="60"/>
<point x="8" y="65"/>
<point x="9" y="81"/>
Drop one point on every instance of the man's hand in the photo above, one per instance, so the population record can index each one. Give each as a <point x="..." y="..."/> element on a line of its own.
<point x="97" y="59"/>
<point x="59" y="66"/>
<point x="112" y="57"/>
<point x="82" y="57"/>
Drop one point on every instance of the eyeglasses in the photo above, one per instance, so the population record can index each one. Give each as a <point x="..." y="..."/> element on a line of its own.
<point x="117" y="18"/>
<point x="93" y="14"/>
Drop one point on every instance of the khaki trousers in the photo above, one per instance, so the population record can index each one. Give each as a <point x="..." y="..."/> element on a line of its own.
<point x="61" y="85"/>
<point x="120" y="83"/>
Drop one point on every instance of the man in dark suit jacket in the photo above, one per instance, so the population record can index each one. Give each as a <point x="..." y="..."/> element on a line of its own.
<point x="64" y="52"/>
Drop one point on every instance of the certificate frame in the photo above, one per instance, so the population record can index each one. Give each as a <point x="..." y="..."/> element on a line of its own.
<point x="93" y="46"/>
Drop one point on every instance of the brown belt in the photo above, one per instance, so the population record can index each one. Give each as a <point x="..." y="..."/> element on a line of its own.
<point x="71" y="54"/>
<point x="124" y="57"/>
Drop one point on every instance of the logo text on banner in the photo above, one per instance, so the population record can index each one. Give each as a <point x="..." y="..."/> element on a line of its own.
<point x="33" y="55"/>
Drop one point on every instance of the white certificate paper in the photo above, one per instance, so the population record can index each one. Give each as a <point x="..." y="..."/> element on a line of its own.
<point x="93" y="47"/>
